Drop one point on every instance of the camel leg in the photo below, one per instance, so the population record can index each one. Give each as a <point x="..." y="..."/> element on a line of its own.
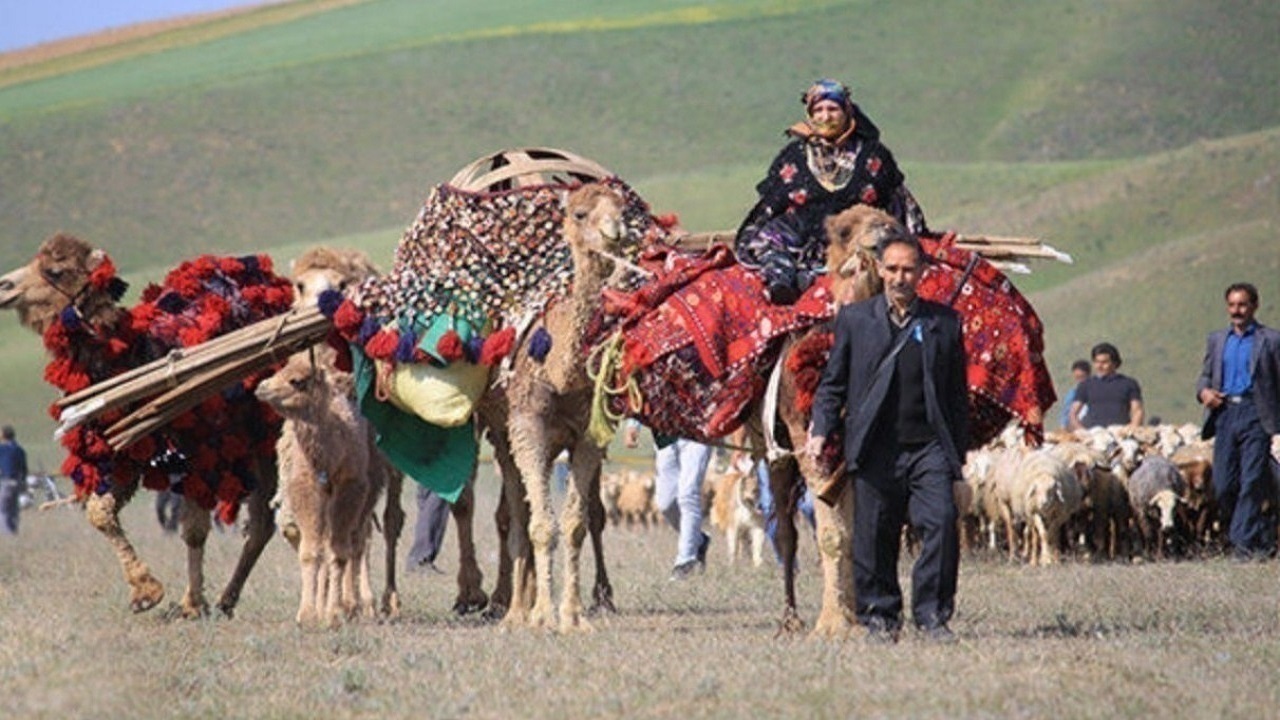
<point x="471" y="596"/>
<point x="261" y="527"/>
<point x="530" y="448"/>
<point x="586" y="461"/>
<point x="103" y="512"/>
<point x="836" y="618"/>
<point x="519" y="550"/>
<point x="312" y="568"/>
<point x="602" y="591"/>
<point x="195" y="530"/>
<point x="782" y="482"/>
<point x="346" y="521"/>
<point x="392" y="525"/>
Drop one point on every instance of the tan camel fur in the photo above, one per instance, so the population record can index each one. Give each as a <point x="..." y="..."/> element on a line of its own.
<point x="326" y="474"/>
<point x="39" y="291"/>
<point x="548" y="408"/>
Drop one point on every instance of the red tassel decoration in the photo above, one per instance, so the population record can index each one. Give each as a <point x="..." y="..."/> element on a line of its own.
<point x="498" y="346"/>
<point x="450" y="346"/>
<point x="347" y="319"/>
<point x="382" y="346"/>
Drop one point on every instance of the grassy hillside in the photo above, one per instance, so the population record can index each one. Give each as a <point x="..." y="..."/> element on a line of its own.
<point x="1139" y="135"/>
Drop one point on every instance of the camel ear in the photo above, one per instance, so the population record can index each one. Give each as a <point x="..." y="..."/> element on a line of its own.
<point x="96" y="258"/>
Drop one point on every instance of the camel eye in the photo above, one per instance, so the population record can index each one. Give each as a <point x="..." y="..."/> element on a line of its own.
<point x="342" y="286"/>
<point x="300" y="383"/>
<point x="579" y="215"/>
<point x="302" y="288"/>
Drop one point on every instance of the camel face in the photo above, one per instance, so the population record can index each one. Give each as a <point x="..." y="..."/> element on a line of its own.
<point x="320" y="269"/>
<point x="593" y="217"/>
<point x="851" y="241"/>
<point x="289" y="389"/>
<point x="40" y="289"/>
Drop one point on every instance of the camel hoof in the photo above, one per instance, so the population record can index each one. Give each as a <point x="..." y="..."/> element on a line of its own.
<point x="790" y="623"/>
<point x="602" y="601"/>
<point x="575" y="625"/>
<point x="837" y="626"/>
<point x="494" y="613"/>
<point x="228" y="610"/>
<point x="143" y="603"/>
<point x="391" y="605"/>
<point x="194" y="610"/>
<point x="463" y="607"/>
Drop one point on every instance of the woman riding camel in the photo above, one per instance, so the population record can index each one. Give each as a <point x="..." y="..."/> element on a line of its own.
<point x="834" y="160"/>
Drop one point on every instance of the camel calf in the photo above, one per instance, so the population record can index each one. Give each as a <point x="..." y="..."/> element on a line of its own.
<point x="325" y="474"/>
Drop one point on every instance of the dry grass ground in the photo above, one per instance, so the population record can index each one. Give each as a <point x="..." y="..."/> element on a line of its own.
<point x="1194" y="639"/>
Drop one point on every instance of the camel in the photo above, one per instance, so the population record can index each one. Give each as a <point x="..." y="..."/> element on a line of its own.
<point x="315" y="272"/>
<point x="544" y="409"/>
<point x="852" y="235"/>
<point x="64" y="282"/>
<point x="330" y="478"/>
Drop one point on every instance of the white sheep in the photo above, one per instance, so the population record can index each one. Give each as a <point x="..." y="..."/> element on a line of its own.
<point x="1155" y="488"/>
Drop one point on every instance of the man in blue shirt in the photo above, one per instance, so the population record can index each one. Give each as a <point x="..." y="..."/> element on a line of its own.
<point x="1239" y="386"/>
<point x="13" y="476"/>
<point x="1079" y="373"/>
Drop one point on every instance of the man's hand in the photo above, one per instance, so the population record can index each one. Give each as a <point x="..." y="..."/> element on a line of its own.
<point x="1211" y="398"/>
<point x="813" y="445"/>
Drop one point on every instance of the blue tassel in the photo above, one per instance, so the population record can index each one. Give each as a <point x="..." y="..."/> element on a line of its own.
<point x="70" y="318"/>
<point x="472" y="348"/>
<point x="540" y="344"/>
<point x="329" y="302"/>
<point x="405" y="347"/>
<point x="368" y="328"/>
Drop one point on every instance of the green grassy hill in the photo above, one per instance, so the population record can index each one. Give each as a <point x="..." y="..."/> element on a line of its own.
<point x="1140" y="136"/>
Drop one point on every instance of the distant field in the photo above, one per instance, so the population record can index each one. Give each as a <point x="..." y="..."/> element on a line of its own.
<point x="1188" y="639"/>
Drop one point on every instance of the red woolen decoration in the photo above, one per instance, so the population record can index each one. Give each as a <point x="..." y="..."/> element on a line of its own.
<point x="382" y="346"/>
<point x="347" y="319"/>
<point x="450" y="346"/>
<point x="667" y="221"/>
<point x="498" y="346"/>
<point x="101" y="277"/>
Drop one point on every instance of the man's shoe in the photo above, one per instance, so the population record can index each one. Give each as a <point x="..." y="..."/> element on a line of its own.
<point x="880" y="632"/>
<point x="684" y="571"/>
<point x="939" y="634"/>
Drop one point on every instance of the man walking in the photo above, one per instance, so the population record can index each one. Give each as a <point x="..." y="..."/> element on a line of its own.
<point x="13" y="476"/>
<point x="1239" y="386"/>
<point x="897" y="371"/>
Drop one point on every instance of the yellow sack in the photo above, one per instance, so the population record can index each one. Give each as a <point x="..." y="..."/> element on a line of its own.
<point x="442" y="396"/>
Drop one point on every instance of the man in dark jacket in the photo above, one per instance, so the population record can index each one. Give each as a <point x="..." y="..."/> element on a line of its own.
<point x="13" y="478"/>
<point x="897" y="373"/>
<point x="1239" y="386"/>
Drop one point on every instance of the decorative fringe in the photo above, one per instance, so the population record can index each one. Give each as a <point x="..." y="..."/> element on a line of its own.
<point x="498" y="346"/>
<point x="540" y="344"/>
<point x="449" y="346"/>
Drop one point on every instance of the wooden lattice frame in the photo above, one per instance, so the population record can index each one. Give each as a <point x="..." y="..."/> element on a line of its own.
<point x="526" y="167"/>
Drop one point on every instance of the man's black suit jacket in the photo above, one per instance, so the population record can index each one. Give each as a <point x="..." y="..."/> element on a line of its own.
<point x="862" y="339"/>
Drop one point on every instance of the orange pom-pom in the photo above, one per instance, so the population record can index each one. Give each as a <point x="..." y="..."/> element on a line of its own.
<point x="382" y="346"/>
